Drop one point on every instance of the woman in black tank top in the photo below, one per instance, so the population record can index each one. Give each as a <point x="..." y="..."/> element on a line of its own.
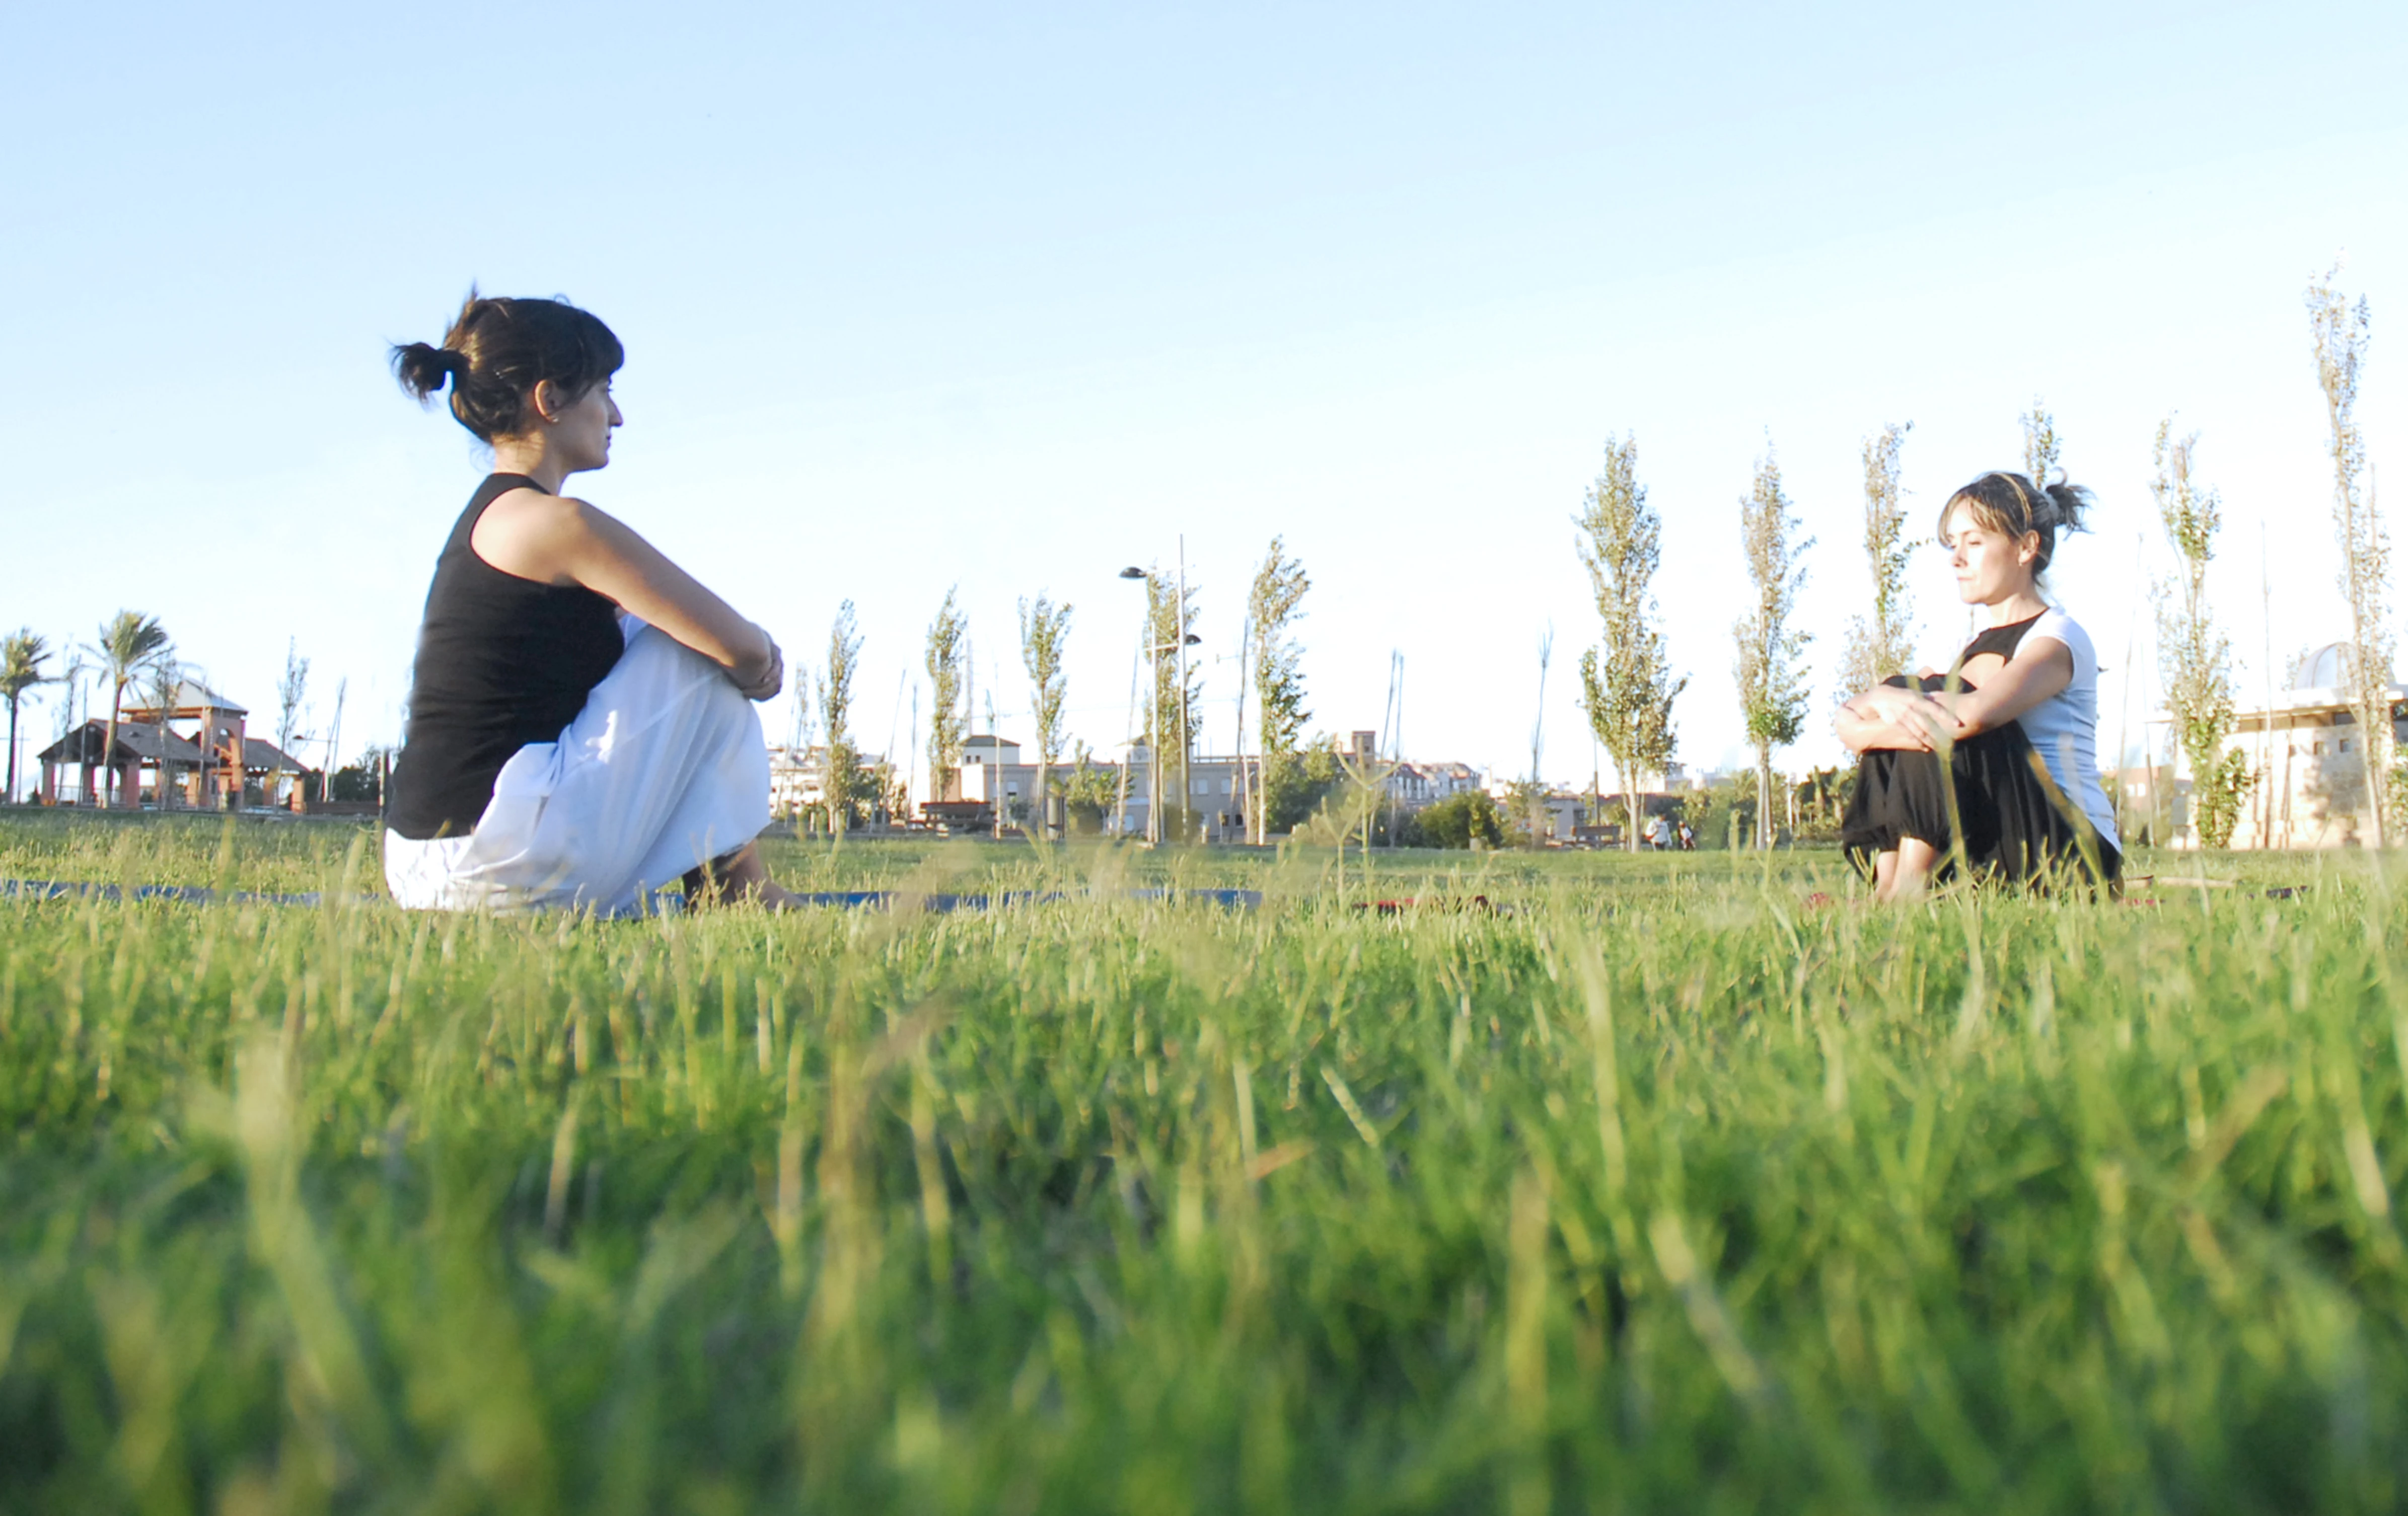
<point x="1944" y="770"/>
<point x="513" y="786"/>
<point x="2012" y="830"/>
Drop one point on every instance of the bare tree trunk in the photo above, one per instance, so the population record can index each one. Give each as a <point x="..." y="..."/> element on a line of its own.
<point x="108" y="791"/>
<point x="1764" y="799"/>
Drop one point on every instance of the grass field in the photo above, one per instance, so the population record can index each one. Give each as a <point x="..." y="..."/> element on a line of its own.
<point x="1663" y="1190"/>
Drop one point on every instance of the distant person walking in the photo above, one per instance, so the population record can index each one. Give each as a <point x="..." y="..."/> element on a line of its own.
<point x="2010" y="729"/>
<point x="581" y="730"/>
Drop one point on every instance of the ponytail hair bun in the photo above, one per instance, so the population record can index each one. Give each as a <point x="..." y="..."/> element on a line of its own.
<point x="423" y="369"/>
<point x="2069" y="504"/>
<point x="2013" y="505"/>
<point x="498" y="349"/>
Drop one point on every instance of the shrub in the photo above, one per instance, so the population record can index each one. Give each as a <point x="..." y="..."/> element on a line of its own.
<point x="1457" y="822"/>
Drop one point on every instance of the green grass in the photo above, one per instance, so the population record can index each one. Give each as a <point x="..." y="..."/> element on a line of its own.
<point x="1664" y="1192"/>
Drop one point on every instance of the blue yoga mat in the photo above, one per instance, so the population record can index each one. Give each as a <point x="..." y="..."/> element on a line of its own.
<point x="836" y="899"/>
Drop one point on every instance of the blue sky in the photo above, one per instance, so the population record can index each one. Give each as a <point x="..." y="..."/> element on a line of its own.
<point x="1008" y="298"/>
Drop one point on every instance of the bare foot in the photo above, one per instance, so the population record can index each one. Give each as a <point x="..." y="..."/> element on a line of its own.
<point x="735" y="879"/>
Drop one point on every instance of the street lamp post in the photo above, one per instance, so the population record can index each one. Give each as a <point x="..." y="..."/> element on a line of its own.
<point x="1186" y="726"/>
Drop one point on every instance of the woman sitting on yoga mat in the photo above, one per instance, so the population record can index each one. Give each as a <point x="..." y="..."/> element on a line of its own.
<point x="2010" y="729"/>
<point x="580" y="728"/>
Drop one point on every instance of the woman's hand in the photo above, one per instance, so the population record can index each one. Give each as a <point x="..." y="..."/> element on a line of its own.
<point x="1886" y="718"/>
<point x="760" y="677"/>
<point x="1891" y="706"/>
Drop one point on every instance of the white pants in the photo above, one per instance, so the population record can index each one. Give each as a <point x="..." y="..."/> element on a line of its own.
<point x="663" y="770"/>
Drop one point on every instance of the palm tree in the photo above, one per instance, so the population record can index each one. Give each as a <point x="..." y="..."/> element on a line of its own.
<point x="129" y="642"/>
<point x="22" y="656"/>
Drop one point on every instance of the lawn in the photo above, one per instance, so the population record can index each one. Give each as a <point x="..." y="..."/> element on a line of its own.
<point x="1662" y="1188"/>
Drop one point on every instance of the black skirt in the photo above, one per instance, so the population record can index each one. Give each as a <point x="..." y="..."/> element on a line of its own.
<point x="2017" y="828"/>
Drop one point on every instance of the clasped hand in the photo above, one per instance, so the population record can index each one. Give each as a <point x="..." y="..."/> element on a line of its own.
<point x="1905" y="719"/>
<point x="772" y="677"/>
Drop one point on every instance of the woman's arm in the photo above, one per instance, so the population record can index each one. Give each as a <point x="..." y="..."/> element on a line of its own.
<point x="1899" y="719"/>
<point x="2040" y="670"/>
<point x="560" y="540"/>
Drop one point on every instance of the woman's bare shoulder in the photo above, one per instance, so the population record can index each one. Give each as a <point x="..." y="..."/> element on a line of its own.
<point x="529" y="532"/>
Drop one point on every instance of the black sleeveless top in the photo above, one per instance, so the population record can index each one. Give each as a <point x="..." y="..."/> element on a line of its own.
<point x="2002" y="640"/>
<point x="502" y="661"/>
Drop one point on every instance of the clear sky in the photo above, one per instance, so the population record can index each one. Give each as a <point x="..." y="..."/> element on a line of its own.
<point x="1013" y="296"/>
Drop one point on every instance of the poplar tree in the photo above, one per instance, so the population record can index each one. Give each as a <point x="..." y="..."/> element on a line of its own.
<point x="167" y="677"/>
<point x="1626" y="684"/>
<point x="1770" y="671"/>
<point x="2194" y="656"/>
<point x="946" y="635"/>
<point x="1044" y="632"/>
<point x="291" y="690"/>
<point x="835" y="709"/>
<point x="1274" y="604"/>
<point x="2341" y="331"/>
<point x="1173" y="707"/>
<point x="1884" y="644"/>
<point x="2040" y="444"/>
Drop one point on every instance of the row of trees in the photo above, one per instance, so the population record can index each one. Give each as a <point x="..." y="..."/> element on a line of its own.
<point x="1270" y="673"/>
<point x="2194" y="655"/>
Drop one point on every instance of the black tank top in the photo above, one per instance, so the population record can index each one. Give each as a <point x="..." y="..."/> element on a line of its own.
<point x="2002" y="640"/>
<point x="502" y="661"/>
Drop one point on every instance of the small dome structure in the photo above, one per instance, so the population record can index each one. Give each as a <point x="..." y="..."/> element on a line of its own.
<point x="2322" y="668"/>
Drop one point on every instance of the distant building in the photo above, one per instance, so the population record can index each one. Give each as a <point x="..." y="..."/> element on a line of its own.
<point x="1220" y="787"/>
<point x="2307" y="761"/>
<point x="798" y="784"/>
<point x="214" y="763"/>
<point x="997" y="775"/>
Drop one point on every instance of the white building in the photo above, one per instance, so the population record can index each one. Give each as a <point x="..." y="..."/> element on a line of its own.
<point x="2307" y="761"/>
<point x="798" y="783"/>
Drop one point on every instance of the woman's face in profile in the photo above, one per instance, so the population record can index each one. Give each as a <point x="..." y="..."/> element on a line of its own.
<point x="1990" y="566"/>
<point x="580" y="430"/>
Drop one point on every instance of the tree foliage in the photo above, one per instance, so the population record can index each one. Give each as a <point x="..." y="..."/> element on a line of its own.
<point x="291" y="691"/>
<point x="1171" y="719"/>
<point x="1770" y="671"/>
<point x="946" y="718"/>
<point x="2040" y="445"/>
<point x="1466" y="819"/>
<point x="165" y="678"/>
<point x="1045" y="636"/>
<point x="1274" y="603"/>
<point x="1088" y="793"/>
<point x="129" y="642"/>
<point x="1298" y="787"/>
<point x="2194" y="656"/>
<point x="2341" y="330"/>
<point x="1883" y="644"/>
<point x="841" y="782"/>
<point x="22" y="653"/>
<point x="1626" y="684"/>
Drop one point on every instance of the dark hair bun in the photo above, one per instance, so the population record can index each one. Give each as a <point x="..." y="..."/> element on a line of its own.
<point x="2069" y="504"/>
<point x="423" y="368"/>
<point x="499" y="349"/>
